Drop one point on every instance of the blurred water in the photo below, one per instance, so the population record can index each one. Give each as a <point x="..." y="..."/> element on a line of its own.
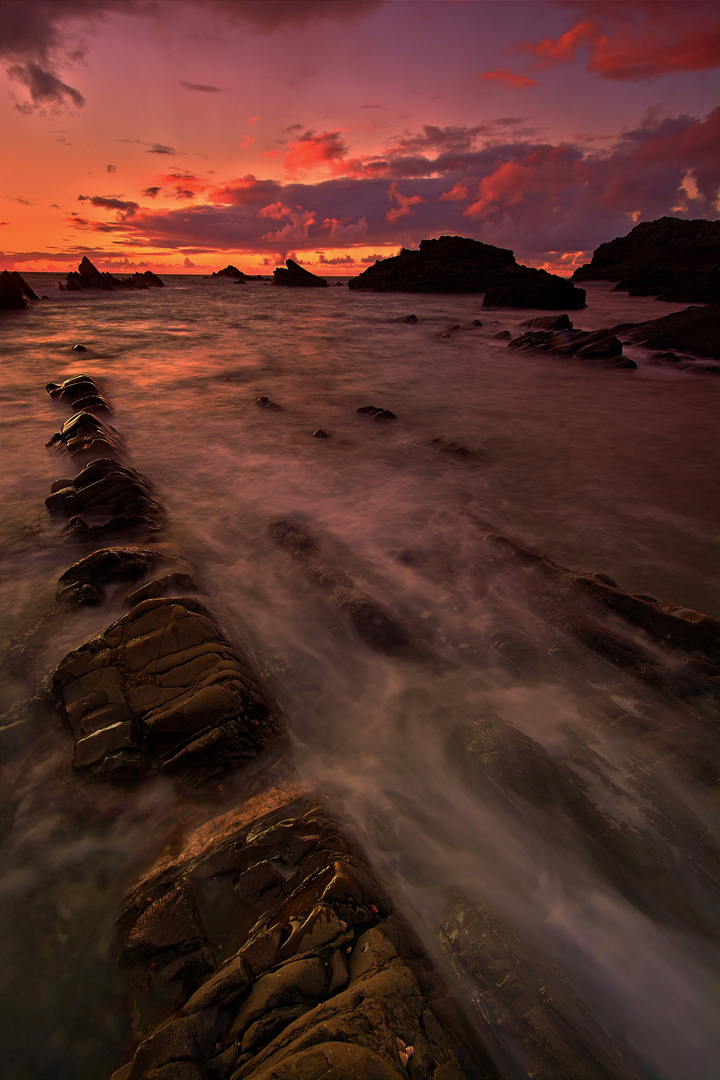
<point x="600" y="469"/>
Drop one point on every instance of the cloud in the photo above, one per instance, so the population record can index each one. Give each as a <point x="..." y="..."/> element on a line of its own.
<point x="503" y="75"/>
<point x="638" y="40"/>
<point x="152" y="192"/>
<point x="404" y="202"/>
<point x="159" y="148"/>
<point x="111" y="168"/>
<point x="325" y="148"/>
<point x="347" y="231"/>
<point x="339" y="260"/>
<point x="19" y="199"/>
<point x="201" y="87"/>
<point x="275" y="210"/>
<point x="297" y="229"/>
<point x="124" y="208"/>
<point x="45" y="87"/>
<point x="272" y="15"/>
<point x="186" y="262"/>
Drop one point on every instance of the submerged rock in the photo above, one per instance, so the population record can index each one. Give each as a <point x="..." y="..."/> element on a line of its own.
<point x="376" y="412"/>
<point x="293" y="275"/>
<point x="675" y="259"/>
<point x="163" y="688"/>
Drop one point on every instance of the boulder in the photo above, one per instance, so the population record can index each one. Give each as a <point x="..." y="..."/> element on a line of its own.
<point x="297" y="276"/>
<point x="449" y="264"/>
<point x="81" y="392"/>
<point x="526" y="287"/>
<point x="87" y="276"/>
<point x="675" y="259"/>
<point x="598" y="346"/>
<point x="15" y="291"/>
<point x="85" y="438"/>
<point x="106" y="499"/>
<point x="696" y="331"/>
<point x="162" y="688"/>
<point x="376" y="412"/>
<point x="84" y="582"/>
<point x="230" y="271"/>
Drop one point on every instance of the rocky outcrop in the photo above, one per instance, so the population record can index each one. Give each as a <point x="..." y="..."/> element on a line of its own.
<point x="85" y="438"/>
<point x="268" y="949"/>
<point x="106" y="499"/>
<point x="163" y="688"/>
<point x="86" y="582"/>
<point x="598" y="347"/>
<point x="81" y="392"/>
<point x="15" y="291"/>
<point x="456" y="264"/>
<point x="695" y="331"/>
<point x="675" y="259"/>
<point x="87" y="276"/>
<point x="293" y="275"/>
<point x="230" y="271"/>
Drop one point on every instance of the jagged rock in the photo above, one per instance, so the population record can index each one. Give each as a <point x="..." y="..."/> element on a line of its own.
<point x="599" y="346"/>
<point x="79" y="348"/>
<point x="549" y="322"/>
<point x="85" y="438"/>
<point x="15" y="291"/>
<point x="696" y="331"/>
<point x="526" y="287"/>
<point x="320" y="433"/>
<point x="80" y="392"/>
<point x="449" y="264"/>
<point x="266" y="403"/>
<point x="376" y="412"/>
<point x="293" y="275"/>
<point x="107" y="499"/>
<point x="87" y="276"/>
<point x="84" y="582"/>
<point x="675" y="259"/>
<point x="163" y="688"/>
<point x="230" y="271"/>
<point x="446" y="447"/>
<point x="302" y="969"/>
<point x="406" y="319"/>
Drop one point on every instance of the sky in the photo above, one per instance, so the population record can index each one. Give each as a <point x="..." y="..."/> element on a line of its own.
<point x="184" y="135"/>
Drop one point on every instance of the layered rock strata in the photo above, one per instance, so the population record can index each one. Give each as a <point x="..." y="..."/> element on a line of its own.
<point x="674" y="259"/>
<point x="598" y="347"/>
<point x="268" y="949"/>
<point x="87" y="276"/>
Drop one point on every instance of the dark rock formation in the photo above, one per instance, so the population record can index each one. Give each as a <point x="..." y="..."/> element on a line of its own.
<point x="695" y="331"/>
<point x="407" y="319"/>
<point x="450" y="264"/>
<point x="549" y="322"/>
<point x="163" y="688"/>
<point x="265" y="403"/>
<point x="454" y="448"/>
<point x="456" y="264"/>
<point x="83" y="584"/>
<point x="106" y="499"/>
<point x="84" y="437"/>
<point x="320" y="433"/>
<point x="376" y="412"/>
<point x="230" y="271"/>
<point x="375" y="626"/>
<point x="525" y="287"/>
<point x="674" y="259"/>
<point x="599" y="346"/>
<point x="293" y="275"/>
<point x="81" y="392"/>
<point x="15" y="291"/>
<point x="87" y="276"/>
<point x="299" y="968"/>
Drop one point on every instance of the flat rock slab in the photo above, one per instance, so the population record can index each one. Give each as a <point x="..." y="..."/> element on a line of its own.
<point x="271" y="951"/>
<point x="162" y="688"/>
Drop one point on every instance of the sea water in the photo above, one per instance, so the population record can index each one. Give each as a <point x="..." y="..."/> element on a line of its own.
<point x="596" y="467"/>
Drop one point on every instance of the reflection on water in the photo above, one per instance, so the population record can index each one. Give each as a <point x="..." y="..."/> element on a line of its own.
<point x="603" y="872"/>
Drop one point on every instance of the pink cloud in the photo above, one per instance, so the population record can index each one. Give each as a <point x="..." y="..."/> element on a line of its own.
<point x="404" y="203"/>
<point x="503" y="75"/>
<point x="275" y="210"/>
<point x="326" y="148"/>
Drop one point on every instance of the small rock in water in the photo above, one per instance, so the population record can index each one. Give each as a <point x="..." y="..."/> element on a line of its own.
<point x="376" y="413"/>
<point x="320" y="433"/>
<point x="79" y="348"/>
<point x="266" y="403"/>
<point x="406" y="319"/>
<point x="502" y="334"/>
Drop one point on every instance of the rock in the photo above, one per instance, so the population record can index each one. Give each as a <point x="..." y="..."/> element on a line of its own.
<point x="83" y="582"/>
<point x="451" y="447"/>
<point x="526" y="287"/>
<point x="449" y="264"/>
<point x="85" y="438"/>
<point x="81" y="392"/>
<point x="406" y="319"/>
<point x="87" y="276"/>
<point x="549" y="322"/>
<point x="376" y="413"/>
<point x="599" y="346"/>
<point x="675" y="259"/>
<point x="696" y="331"/>
<point x="15" y="291"/>
<point x="293" y="275"/>
<point x="163" y="688"/>
<point x="266" y="403"/>
<point x="502" y="335"/>
<point x="230" y="271"/>
<point x="106" y="499"/>
<point x="320" y="433"/>
<point x="293" y="900"/>
<point x="79" y="348"/>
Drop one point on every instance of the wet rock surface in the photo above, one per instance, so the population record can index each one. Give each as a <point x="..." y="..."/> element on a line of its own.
<point x="695" y="331"/>
<point x="376" y="412"/>
<point x="268" y="949"/>
<point x="85" y="438"/>
<point x="163" y="688"/>
<point x="293" y="275"/>
<point x="107" y="499"/>
<point x="598" y="346"/>
<point x="673" y="259"/>
<point x="81" y="392"/>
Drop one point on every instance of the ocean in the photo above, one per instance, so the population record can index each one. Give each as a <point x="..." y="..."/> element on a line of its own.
<point x="600" y="469"/>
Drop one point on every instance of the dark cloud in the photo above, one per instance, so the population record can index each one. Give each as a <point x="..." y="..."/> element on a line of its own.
<point x="19" y="199"/>
<point x="270" y="15"/>
<point x="111" y="202"/>
<point x="201" y="87"/>
<point x="183" y="193"/>
<point x="44" y="87"/>
<point x="111" y="168"/>
<point x="152" y="192"/>
<point x="160" y="148"/>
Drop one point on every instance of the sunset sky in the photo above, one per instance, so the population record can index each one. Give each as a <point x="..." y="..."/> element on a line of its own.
<point x="182" y="135"/>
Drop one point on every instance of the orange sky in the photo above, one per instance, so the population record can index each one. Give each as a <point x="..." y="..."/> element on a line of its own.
<point x="194" y="133"/>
